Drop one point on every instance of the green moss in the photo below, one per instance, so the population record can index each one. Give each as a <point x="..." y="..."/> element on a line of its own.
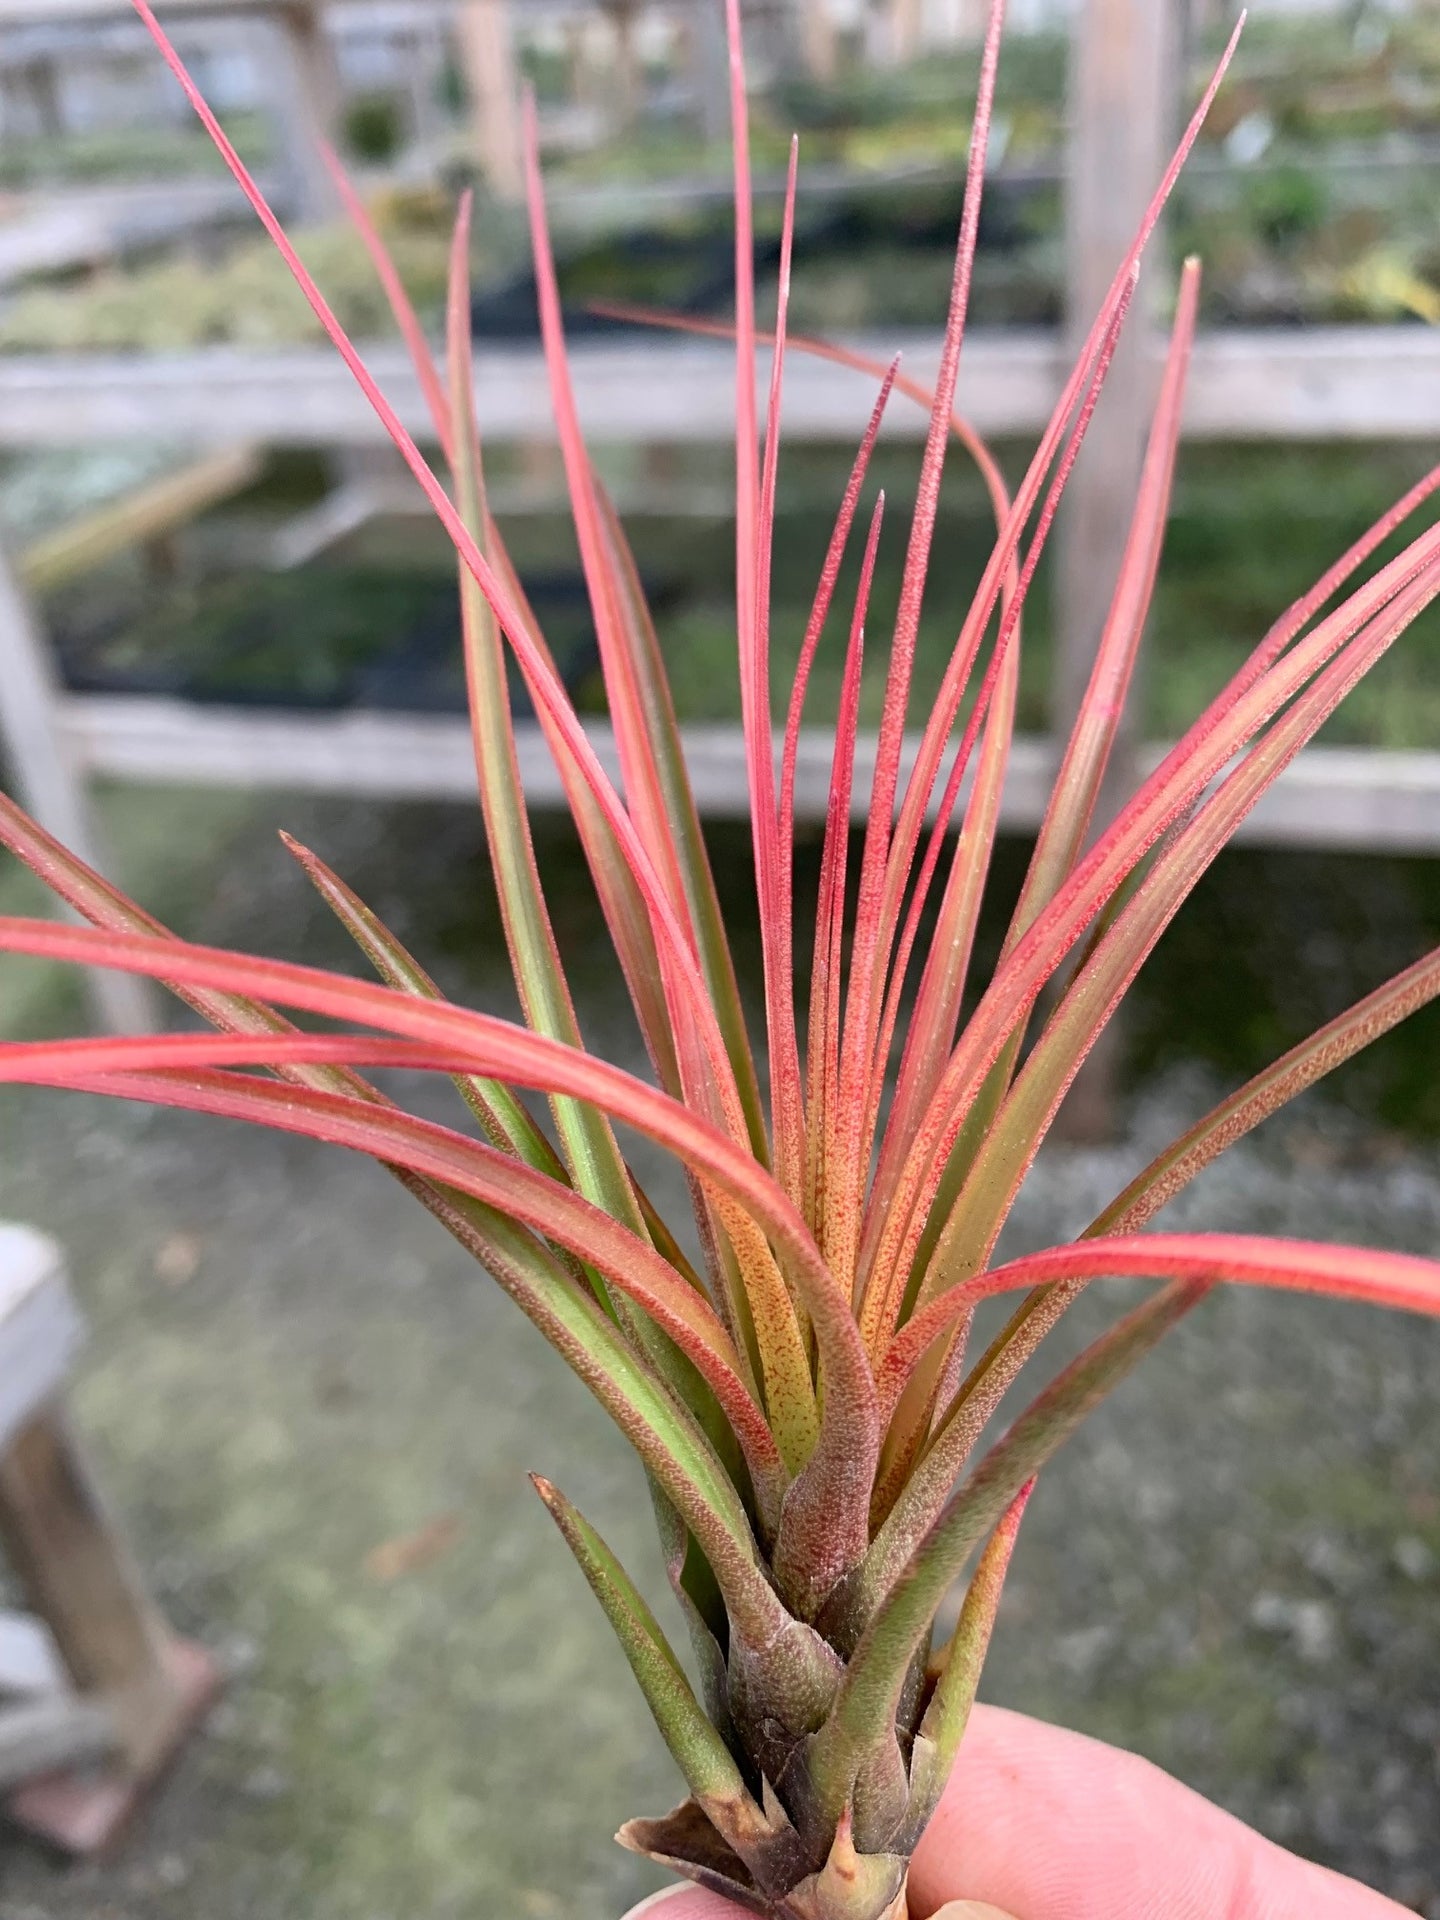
<point x="108" y="153"/>
<point x="382" y="1746"/>
<point x="246" y="298"/>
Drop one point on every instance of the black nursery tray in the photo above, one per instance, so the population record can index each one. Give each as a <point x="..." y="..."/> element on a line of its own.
<point x="686" y="265"/>
<point x="323" y="638"/>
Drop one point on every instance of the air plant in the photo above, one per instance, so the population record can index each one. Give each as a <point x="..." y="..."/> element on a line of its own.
<point x="802" y="1395"/>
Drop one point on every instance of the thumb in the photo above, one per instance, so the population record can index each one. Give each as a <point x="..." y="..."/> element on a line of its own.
<point x="688" y="1903"/>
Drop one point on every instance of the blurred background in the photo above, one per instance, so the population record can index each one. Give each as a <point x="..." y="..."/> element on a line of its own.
<point x="224" y="609"/>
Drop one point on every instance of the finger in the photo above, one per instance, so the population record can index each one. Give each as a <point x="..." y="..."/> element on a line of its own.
<point x="1048" y="1825"/>
<point x="684" y="1903"/>
<point x="687" y="1903"/>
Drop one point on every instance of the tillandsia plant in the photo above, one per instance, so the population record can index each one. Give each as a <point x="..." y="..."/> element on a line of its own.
<point x="802" y="1393"/>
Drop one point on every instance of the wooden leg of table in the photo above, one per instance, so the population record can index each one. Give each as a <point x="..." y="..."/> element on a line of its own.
<point x="48" y="781"/>
<point x="79" y="1579"/>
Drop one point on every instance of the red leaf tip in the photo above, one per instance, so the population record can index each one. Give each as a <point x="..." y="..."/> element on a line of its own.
<point x="1009" y="1527"/>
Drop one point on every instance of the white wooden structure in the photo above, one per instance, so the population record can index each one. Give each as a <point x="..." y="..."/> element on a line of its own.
<point x="1329" y="384"/>
<point x="284" y="57"/>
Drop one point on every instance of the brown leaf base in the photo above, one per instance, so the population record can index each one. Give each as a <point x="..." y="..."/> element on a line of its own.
<point x="775" y="1884"/>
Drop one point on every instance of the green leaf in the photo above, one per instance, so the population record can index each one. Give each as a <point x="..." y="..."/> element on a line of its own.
<point x="703" y="1758"/>
<point x="928" y="1480"/>
<point x="503" y="1117"/>
<point x="656" y="710"/>
<point x="971" y="1232"/>
<point x="1339" y="1040"/>
<point x="909" y="1579"/>
<point x="1370" y="619"/>
<point x="589" y="1144"/>
<point x="942" y="983"/>
<point x="668" y="1440"/>
<point x="948" y="1714"/>
<point x="1076" y="792"/>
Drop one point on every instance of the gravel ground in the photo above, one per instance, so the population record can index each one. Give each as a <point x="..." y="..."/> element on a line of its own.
<point x="1236" y="1568"/>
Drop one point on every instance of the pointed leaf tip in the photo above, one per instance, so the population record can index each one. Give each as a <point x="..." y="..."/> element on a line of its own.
<point x="695" y="1744"/>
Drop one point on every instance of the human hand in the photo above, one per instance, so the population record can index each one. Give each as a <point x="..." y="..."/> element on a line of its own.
<point x="1040" y="1824"/>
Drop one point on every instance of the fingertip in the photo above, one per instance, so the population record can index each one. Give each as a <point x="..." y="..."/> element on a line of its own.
<point x="683" y="1903"/>
<point x="690" y="1903"/>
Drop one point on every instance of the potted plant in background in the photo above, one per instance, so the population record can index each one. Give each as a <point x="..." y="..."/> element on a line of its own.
<point x="799" y="1383"/>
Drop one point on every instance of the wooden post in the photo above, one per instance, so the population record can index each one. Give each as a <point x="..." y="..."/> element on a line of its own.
<point x="968" y="18"/>
<point x="577" y="61"/>
<point x="818" y="40"/>
<point x="307" y="105"/>
<point x="150" y="514"/>
<point x="418" y="53"/>
<point x="705" y="55"/>
<point x="45" y="93"/>
<point x="107" y="1692"/>
<point x="80" y="1582"/>
<point x="629" y="73"/>
<point x="1122" y="99"/>
<point x="1123" y="89"/>
<point x="48" y="781"/>
<point x="907" y="19"/>
<point x="1206" y="16"/>
<point x="487" y="54"/>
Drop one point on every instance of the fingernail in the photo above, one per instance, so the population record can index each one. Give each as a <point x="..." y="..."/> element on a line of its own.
<point x="970" y="1910"/>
